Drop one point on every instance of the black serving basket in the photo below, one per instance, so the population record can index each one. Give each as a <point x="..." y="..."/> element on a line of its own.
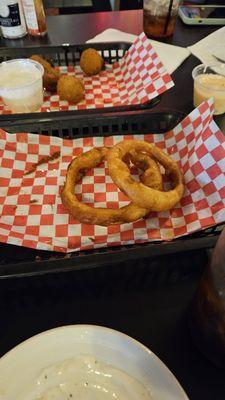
<point x="18" y="261"/>
<point x="66" y="55"/>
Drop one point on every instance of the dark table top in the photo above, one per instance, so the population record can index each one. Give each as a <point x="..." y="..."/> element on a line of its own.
<point x="148" y="301"/>
<point x="155" y="314"/>
<point x="77" y="28"/>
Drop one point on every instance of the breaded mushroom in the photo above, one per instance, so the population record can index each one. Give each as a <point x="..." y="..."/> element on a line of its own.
<point x="51" y="75"/>
<point x="70" y="88"/>
<point x="91" y="62"/>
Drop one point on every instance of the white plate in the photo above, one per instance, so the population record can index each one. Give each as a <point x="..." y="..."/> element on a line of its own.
<point x="20" y="368"/>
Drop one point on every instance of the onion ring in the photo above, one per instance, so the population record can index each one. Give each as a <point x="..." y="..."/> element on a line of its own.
<point x="151" y="176"/>
<point x="141" y="195"/>
<point x="91" y="215"/>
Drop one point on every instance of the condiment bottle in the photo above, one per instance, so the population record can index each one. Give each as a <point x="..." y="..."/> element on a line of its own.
<point x="35" y="17"/>
<point x="12" y="19"/>
<point x="208" y="308"/>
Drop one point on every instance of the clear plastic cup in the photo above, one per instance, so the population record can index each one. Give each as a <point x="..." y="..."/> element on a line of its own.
<point x="209" y="82"/>
<point x="21" y="86"/>
<point x="159" y="17"/>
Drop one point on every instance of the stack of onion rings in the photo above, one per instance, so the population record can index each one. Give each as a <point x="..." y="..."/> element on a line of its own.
<point x="146" y="195"/>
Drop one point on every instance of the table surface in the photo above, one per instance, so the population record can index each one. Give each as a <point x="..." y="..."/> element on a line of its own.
<point x="138" y="300"/>
<point x="142" y="313"/>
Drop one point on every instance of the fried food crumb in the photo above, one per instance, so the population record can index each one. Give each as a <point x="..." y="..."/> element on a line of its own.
<point x="33" y="201"/>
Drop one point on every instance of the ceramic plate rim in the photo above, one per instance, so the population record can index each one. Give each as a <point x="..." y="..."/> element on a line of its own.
<point x="102" y="328"/>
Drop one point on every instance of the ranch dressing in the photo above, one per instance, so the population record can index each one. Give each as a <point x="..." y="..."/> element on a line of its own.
<point x="16" y="75"/>
<point x="21" y="86"/>
<point x="86" y="378"/>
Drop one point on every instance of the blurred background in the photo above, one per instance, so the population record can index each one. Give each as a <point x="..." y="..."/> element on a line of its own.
<point x="55" y="7"/>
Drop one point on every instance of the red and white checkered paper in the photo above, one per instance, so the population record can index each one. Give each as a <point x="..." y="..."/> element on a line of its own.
<point x="196" y="144"/>
<point x="136" y="79"/>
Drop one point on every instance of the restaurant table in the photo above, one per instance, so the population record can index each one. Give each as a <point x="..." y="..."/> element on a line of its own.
<point x="148" y="300"/>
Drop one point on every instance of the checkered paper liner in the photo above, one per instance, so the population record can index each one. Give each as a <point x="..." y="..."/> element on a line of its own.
<point x="31" y="212"/>
<point x="136" y="79"/>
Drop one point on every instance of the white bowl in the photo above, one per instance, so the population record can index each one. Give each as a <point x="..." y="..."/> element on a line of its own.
<point x="21" y="366"/>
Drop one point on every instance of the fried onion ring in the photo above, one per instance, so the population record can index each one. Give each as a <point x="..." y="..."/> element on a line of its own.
<point x="151" y="176"/>
<point x="85" y="213"/>
<point x="140" y="194"/>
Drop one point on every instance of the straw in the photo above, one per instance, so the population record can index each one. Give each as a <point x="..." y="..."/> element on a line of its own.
<point x="168" y="16"/>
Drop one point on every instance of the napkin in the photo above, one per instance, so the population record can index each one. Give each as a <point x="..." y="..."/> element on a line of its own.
<point x="171" y="56"/>
<point x="210" y="47"/>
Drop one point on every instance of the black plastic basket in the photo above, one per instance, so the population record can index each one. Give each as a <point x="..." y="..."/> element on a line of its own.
<point x="95" y="124"/>
<point x="20" y="261"/>
<point x="66" y="55"/>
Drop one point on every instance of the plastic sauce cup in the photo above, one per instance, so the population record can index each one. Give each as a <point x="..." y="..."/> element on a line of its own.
<point x="21" y="86"/>
<point x="209" y="81"/>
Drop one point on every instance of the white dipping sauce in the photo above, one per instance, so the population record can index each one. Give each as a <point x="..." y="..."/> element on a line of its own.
<point x="17" y="75"/>
<point x="85" y="378"/>
<point x="21" y="85"/>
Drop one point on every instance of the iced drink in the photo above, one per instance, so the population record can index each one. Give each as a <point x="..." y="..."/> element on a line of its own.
<point x="160" y="17"/>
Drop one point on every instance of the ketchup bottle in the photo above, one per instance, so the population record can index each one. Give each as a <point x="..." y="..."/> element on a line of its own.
<point x="208" y="308"/>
